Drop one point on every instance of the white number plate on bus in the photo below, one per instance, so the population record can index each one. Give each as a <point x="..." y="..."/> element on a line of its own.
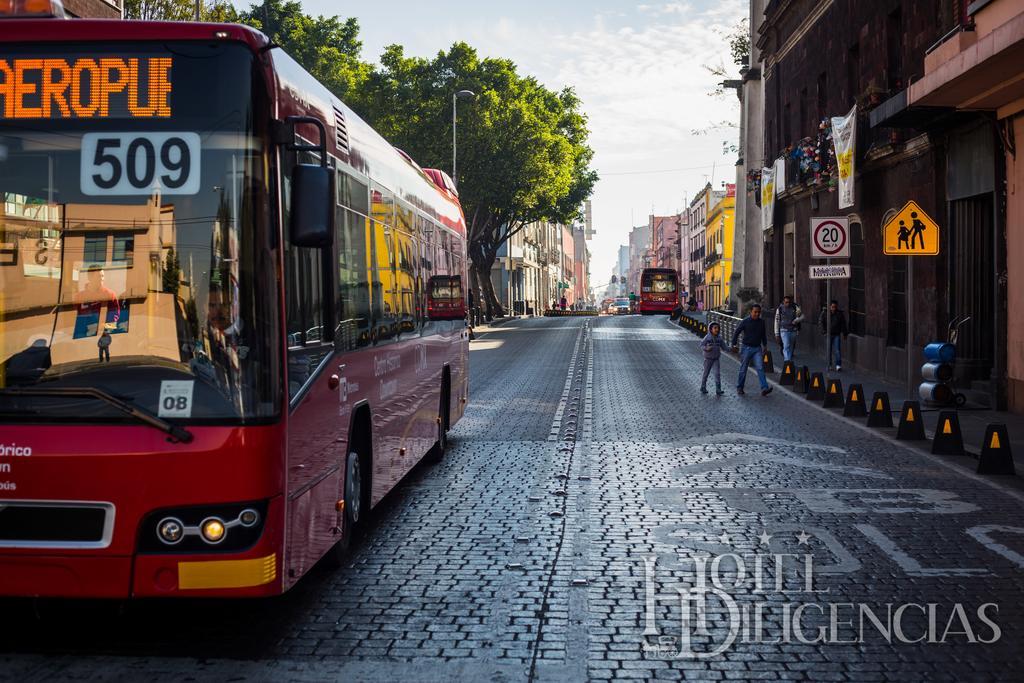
<point x="139" y="163"/>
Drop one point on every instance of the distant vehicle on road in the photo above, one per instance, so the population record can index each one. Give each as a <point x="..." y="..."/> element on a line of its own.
<point x="621" y="306"/>
<point x="659" y="291"/>
<point x="254" y="257"/>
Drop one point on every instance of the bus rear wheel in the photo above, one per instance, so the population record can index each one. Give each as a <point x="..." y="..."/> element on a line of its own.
<point x="436" y="454"/>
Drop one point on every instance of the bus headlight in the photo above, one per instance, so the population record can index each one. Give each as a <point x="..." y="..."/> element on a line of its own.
<point x="170" y="530"/>
<point x="213" y="530"/>
<point x="221" y="528"/>
<point x="248" y="517"/>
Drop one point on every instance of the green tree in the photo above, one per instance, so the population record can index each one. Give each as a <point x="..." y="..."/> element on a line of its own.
<point x="523" y="153"/>
<point x="171" y="278"/>
<point x="327" y="47"/>
<point x="178" y="10"/>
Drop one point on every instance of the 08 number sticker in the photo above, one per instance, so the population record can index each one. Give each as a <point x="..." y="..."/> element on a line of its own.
<point x="139" y="163"/>
<point x="175" y="398"/>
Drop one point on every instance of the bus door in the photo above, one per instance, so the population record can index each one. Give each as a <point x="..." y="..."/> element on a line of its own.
<point x="316" y="452"/>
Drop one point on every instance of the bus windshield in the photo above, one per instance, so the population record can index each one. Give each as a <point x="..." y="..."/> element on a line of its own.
<point x="659" y="282"/>
<point x="442" y="287"/>
<point x="133" y="233"/>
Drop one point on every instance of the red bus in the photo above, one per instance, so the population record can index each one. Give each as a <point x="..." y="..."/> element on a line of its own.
<point x="659" y="290"/>
<point x="216" y="353"/>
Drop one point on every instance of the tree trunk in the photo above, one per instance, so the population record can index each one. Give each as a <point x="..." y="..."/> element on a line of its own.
<point x="474" y="299"/>
<point x="482" y="260"/>
<point x="494" y="307"/>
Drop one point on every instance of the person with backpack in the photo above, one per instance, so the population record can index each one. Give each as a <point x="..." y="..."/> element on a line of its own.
<point x="712" y="345"/>
<point x="788" y="317"/>
<point x="834" y="329"/>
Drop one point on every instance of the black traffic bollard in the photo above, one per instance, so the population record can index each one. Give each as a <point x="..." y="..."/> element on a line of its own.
<point x="948" y="439"/>
<point x="911" y="426"/>
<point x="816" y="389"/>
<point x="996" y="457"/>
<point x="788" y="376"/>
<point x="834" y="394"/>
<point x="855" y="406"/>
<point x="880" y="415"/>
<point x="802" y="380"/>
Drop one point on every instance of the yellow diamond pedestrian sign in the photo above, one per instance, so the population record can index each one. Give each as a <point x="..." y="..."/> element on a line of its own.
<point x="911" y="232"/>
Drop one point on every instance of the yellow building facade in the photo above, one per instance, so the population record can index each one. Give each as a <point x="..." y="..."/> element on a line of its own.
<point x="718" y="237"/>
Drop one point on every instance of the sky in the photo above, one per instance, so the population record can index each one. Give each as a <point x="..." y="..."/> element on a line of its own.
<point x="637" y="66"/>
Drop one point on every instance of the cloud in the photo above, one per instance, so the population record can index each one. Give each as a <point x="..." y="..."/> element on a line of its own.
<point x="638" y="71"/>
<point x="667" y="8"/>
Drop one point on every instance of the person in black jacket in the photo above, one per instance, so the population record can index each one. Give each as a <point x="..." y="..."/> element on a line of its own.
<point x="755" y="343"/>
<point x="838" y="327"/>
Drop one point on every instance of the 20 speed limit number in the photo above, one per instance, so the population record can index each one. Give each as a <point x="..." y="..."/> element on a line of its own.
<point x="138" y="163"/>
<point x="830" y="238"/>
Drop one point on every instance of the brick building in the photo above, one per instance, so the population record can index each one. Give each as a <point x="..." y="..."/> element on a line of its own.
<point x="819" y="59"/>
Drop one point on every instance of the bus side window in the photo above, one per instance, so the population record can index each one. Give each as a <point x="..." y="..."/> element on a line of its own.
<point x="307" y="338"/>
<point x="405" y="275"/>
<point x="354" y="266"/>
<point x="384" y="296"/>
<point x="426" y="262"/>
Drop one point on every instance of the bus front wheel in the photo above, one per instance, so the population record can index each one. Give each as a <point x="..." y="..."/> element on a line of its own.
<point x="353" y="514"/>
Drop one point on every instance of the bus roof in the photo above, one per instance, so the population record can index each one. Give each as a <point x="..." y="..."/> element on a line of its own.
<point x="104" y="30"/>
<point x="370" y="153"/>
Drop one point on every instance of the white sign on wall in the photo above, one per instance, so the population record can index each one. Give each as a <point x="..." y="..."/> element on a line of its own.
<point x="830" y="237"/>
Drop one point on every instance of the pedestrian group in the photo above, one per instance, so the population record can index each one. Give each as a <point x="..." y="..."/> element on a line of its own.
<point x="750" y="340"/>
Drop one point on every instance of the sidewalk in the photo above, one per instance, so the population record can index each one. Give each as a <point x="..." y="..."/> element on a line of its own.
<point x="485" y="327"/>
<point x="973" y="422"/>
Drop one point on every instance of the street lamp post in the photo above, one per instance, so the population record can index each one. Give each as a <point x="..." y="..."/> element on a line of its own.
<point x="456" y="96"/>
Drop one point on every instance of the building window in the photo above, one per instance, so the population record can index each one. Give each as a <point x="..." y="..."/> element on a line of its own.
<point x="124" y="251"/>
<point x="95" y="249"/>
<point x="856" y="283"/>
<point x="897" y="323"/>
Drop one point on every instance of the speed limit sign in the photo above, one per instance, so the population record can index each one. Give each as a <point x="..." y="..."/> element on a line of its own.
<point x="830" y="237"/>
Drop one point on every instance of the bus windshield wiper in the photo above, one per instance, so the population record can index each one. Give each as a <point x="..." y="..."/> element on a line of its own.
<point x="174" y="431"/>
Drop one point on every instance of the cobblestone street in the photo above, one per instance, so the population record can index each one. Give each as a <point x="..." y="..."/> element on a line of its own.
<point x="596" y="517"/>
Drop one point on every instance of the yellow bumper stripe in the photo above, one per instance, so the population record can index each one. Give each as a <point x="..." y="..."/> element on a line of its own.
<point x="227" y="573"/>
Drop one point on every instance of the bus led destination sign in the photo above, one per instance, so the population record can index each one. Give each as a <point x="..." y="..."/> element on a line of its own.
<point x="85" y="88"/>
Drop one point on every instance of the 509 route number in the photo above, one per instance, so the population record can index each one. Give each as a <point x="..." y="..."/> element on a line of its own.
<point x="139" y="163"/>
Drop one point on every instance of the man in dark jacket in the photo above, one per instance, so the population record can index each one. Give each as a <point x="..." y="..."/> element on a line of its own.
<point x="788" y="317"/>
<point x="755" y="343"/>
<point x="836" y="328"/>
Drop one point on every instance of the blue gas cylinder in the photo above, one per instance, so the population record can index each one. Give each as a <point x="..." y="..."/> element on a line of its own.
<point x="940" y="352"/>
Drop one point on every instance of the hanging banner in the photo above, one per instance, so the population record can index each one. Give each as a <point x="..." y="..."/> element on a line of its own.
<point x="767" y="197"/>
<point x="780" y="176"/>
<point x="844" y="138"/>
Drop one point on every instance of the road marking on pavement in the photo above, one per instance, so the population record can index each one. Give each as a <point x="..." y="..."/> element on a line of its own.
<point x="733" y="461"/>
<point x="991" y="483"/>
<point x="981" y="535"/>
<point x="907" y="563"/>
<point x="740" y="436"/>
<point x="556" y="423"/>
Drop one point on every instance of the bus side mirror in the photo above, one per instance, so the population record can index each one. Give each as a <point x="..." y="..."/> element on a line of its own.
<point x="312" y="206"/>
